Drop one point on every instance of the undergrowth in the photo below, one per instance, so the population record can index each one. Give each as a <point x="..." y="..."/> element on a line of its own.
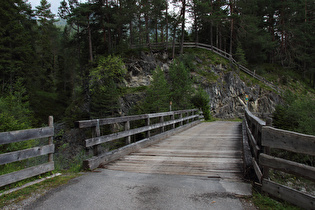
<point x="39" y="188"/>
<point x="267" y="203"/>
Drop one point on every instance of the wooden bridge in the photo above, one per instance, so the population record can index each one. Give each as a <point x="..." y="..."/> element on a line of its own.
<point x="210" y="149"/>
<point x="177" y="144"/>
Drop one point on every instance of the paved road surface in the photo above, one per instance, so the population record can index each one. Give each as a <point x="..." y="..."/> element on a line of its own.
<point x="200" y="168"/>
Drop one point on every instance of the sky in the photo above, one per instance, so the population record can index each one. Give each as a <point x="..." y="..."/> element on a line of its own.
<point x="54" y="4"/>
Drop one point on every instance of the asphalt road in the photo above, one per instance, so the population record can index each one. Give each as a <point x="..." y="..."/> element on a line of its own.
<point x="107" y="189"/>
<point x="199" y="168"/>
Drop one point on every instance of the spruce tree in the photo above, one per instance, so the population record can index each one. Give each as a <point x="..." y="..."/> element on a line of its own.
<point x="181" y="86"/>
<point x="158" y="94"/>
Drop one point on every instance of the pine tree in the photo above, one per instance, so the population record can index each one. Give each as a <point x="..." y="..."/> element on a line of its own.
<point x="181" y="86"/>
<point x="16" y="42"/>
<point x="158" y="94"/>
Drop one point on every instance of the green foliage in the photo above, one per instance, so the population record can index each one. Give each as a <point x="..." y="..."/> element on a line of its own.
<point x="188" y="60"/>
<point x="297" y="114"/>
<point x="104" y="87"/>
<point x="267" y="203"/>
<point x="240" y="55"/>
<point x="15" y="113"/>
<point x="157" y="95"/>
<point x="16" y="39"/>
<point x="201" y="100"/>
<point x="108" y="67"/>
<point x="104" y="100"/>
<point x="181" y="86"/>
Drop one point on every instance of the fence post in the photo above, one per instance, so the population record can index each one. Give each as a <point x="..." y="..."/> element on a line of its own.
<point x="181" y="117"/>
<point x="127" y="127"/>
<point x="51" y="138"/>
<point x="161" y="121"/>
<point x="266" y="151"/>
<point x="97" y="134"/>
<point x="187" y="115"/>
<point x="148" y="124"/>
<point x="173" y="118"/>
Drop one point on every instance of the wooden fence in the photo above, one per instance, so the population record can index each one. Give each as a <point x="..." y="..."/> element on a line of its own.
<point x="24" y="135"/>
<point x="262" y="139"/>
<point x="165" y="124"/>
<point x="214" y="49"/>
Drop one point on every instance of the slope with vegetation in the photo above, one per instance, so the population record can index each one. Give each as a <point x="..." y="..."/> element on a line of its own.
<point x="85" y="69"/>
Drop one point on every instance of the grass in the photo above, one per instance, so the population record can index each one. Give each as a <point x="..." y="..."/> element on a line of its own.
<point x="267" y="203"/>
<point x="39" y="188"/>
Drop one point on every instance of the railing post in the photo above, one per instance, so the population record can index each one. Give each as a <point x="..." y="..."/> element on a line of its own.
<point x="148" y="124"/>
<point x="187" y="115"/>
<point x="127" y="127"/>
<point x="173" y="118"/>
<point x="161" y="121"/>
<point x="51" y="138"/>
<point x="97" y="133"/>
<point x="267" y="152"/>
<point x="181" y="117"/>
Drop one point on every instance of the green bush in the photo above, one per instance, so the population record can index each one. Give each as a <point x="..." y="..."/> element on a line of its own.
<point x="297" y="114"/>
<point x="201" y="101"/>
<point x="15" y="114"/>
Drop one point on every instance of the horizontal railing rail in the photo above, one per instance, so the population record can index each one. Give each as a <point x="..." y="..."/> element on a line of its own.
<point x="262" y="139"/>
<point x="170" y="120"/>
<point x="11" y="157"/>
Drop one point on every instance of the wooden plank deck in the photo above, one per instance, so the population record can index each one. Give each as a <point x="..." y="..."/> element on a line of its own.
<point x="211" y="149"/>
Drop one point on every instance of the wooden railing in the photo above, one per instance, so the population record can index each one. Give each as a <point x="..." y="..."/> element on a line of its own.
<point x="24" y="135"/>
<point x="262" y="139"/>
<point x="214" y="49"/>
<point x="166" y="123"/>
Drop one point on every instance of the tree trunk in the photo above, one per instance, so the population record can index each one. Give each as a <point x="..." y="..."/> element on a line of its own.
<point x="156" y="32"/>
<point x="183" y="27"/>
<point x="131" y="33"/>
<point x="90" y="40"/>
<point x="147" y="29"/>
<point x="166" y="17"/>
<point x="232" y="28"/>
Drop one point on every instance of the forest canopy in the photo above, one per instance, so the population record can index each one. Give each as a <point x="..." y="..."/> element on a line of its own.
<point x="48" y="70"/>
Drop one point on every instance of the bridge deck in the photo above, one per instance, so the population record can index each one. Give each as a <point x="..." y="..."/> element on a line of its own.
<point x="208" y="149"/>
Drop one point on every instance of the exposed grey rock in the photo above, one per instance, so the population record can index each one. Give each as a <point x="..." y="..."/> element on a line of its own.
<point x="227" y="94"/>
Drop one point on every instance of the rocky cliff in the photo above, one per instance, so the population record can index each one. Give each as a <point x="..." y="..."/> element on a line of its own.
<point x="226" y="90"/>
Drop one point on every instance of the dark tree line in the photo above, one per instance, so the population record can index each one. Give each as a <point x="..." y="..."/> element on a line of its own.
<point x="52" y="66"/>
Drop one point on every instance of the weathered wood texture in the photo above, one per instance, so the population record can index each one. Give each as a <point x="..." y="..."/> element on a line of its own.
<point x="114" y="136"/>
<point x="287" y="166"/>
<point x="288" y="140"/>
<point x="25" y="154"/>
<point x="96" y="161"/>
<point x="257" y="170"/>
<point x="24" y="135"/>
<point x="292" y="196"/>
<point x="253" y="144"/>
<point x="127" y="133"/>
<point x="262" y="136"/>
<point x="247" y="156"/>
<point x="211" y="149"/>
<point x="106" y="121"/>
<point x="25" y="173"/>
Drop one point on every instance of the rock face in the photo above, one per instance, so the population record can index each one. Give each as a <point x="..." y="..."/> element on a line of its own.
<point x="227" y="93"/>
<point x="228" y="97"/>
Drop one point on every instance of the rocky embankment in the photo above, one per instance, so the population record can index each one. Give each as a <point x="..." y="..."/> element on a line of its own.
<point x="227" y="93"/>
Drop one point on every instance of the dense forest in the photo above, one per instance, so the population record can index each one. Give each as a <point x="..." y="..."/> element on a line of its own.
<point x="49" y="70"/>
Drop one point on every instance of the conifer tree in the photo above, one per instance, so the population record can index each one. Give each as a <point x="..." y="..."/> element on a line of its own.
<point x="158" y="94"/>
<point x="16" y="42"/>
<point x="181" y="86"/>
